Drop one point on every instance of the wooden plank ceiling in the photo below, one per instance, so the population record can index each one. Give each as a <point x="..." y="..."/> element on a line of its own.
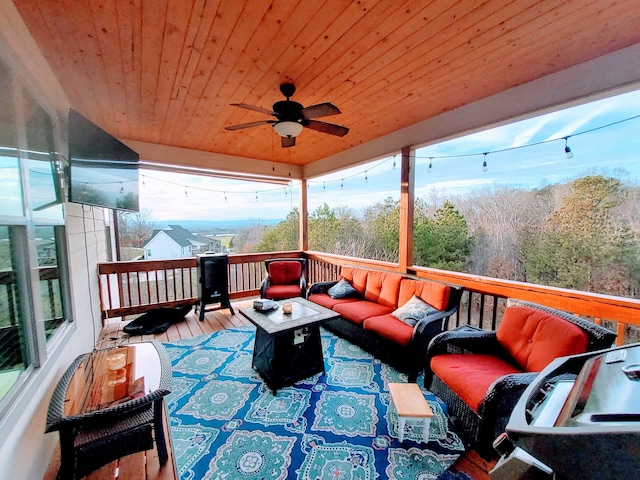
<point x="166" y="71"/>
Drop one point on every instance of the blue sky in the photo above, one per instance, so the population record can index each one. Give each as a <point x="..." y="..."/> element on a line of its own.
<point x="456" y="167"/>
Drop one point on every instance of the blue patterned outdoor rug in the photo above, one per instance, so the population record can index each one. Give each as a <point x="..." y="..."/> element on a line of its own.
<point x="225" y="423"/>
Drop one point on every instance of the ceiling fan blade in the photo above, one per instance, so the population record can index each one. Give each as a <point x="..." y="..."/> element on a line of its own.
<point x="330" y="128"/>
<point x="320" y="110"/>
<point x="288" y="142"/>
<point x="249" y="125"/>
<point x="254" y="108"/>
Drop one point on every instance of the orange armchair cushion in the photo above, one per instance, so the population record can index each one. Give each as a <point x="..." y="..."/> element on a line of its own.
<point x="534" y="338"/>
<point x="470" y="375"/>
<point x="285" y="273"/>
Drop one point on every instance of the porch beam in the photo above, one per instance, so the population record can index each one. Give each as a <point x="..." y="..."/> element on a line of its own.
<point x="407" y="197"/>
<point x="304" y="221"/>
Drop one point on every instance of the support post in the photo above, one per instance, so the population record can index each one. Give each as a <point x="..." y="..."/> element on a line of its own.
<point x="407" y="191"/>
<point x="304" y="221"/>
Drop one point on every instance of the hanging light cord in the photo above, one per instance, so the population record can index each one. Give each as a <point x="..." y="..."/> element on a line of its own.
<point x="393" y="157"/>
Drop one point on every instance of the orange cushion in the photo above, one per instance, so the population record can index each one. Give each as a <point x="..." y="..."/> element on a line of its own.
<point x="327" y="302"/>
<point x="277" y="292"/>
<point x="356" y="277"/>
<point x="434" y="293"/>
<point x="534" y="338"/>
<point x="357" y="311"/>
<point x="382" y="288"/>
<point x="470" y="375"/>
<point x="389" y="327"/>
<point x="285" y="273"/>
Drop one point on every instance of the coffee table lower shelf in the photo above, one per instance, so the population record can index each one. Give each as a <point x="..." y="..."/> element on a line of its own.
<point x="286" y="358"/>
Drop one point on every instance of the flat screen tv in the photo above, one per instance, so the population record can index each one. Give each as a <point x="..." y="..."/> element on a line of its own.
<point x="103" y="171"/>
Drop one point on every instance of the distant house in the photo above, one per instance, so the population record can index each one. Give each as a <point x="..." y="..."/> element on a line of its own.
<point x="174" y="241"/>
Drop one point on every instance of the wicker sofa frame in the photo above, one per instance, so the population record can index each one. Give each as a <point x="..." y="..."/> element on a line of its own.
<point x="481" y="428"/>
<point x="407" y="359"/>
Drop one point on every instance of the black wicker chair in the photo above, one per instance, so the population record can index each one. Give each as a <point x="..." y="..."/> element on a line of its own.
<point x="91" y="440"/>
<point x="481" y="427"/>
<point x="286" y="278"/>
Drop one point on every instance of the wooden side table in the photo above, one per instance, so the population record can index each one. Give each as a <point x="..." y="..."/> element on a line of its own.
<point x="109" y="404"/>
<point x="408" y="401"/>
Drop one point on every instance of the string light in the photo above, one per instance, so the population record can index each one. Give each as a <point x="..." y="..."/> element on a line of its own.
<point x="256" y="196"/>
<point x="366" y="179"/>
<point x="539" y="143"/>
<point x="567" y="149"/>
<point x="568" y="153"/>
<point x="186" y="194"/>
<point x="226" y="200"/>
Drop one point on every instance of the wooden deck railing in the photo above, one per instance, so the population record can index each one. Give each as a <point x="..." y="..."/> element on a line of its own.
<point x="485" y="298"/>
<point x="129" y="288"/>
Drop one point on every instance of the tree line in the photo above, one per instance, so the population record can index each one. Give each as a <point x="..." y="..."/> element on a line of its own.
<point x="582" y="234"/>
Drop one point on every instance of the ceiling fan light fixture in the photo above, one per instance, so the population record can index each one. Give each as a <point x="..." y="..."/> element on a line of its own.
<point x="288" y="129"/>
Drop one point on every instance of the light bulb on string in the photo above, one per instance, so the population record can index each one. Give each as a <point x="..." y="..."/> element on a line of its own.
<point x="324" y="186"/>
<point x="341" y="184"/>
<point x="484" y="163"/>
<point x="256" y="196"/>
<point x="226" y="200"/>
<point x="366" y="178"/>
<point x="394" y="162"/>
<point x="430" y="165"/>
<point x="186" y="194"/>
<point x="567" y="149"/>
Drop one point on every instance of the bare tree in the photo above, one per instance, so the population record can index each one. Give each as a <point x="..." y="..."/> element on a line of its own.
<point x="135" y="228"/>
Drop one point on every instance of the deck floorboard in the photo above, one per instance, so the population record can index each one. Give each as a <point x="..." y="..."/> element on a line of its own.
<point x="145" y="465"/>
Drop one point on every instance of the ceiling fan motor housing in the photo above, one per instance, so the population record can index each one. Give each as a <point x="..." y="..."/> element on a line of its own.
<point x="288" y="111"/>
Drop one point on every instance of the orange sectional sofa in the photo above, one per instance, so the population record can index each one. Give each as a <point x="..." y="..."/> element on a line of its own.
<point x="367" y="315"/>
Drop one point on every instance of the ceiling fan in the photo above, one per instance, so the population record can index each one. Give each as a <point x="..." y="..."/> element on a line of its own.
<point x="292" y="117"/>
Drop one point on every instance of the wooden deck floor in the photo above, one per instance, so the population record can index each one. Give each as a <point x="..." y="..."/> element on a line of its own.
<point x="145" y="466"/>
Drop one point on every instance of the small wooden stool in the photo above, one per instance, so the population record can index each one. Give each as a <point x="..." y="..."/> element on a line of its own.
<point x="408" y="401"/>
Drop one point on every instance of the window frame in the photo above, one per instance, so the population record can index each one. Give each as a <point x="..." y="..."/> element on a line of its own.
<point x="38" y="350"/>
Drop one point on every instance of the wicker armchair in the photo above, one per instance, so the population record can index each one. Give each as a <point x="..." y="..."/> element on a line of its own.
<point x="469" y="358"/>
<point x="285" y="279"/>
<point x="91" y="440"/>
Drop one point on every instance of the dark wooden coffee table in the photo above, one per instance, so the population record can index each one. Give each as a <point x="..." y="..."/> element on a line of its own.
<point x="288" y="347"/>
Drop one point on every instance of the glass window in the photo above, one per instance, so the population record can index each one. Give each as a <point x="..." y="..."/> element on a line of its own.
<point x="12" y="338"/>
<point x="11" y="191"/>
<point x="50" y="287"/>
<point x="31" y="213"/>
<point x="46" y="199"/>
